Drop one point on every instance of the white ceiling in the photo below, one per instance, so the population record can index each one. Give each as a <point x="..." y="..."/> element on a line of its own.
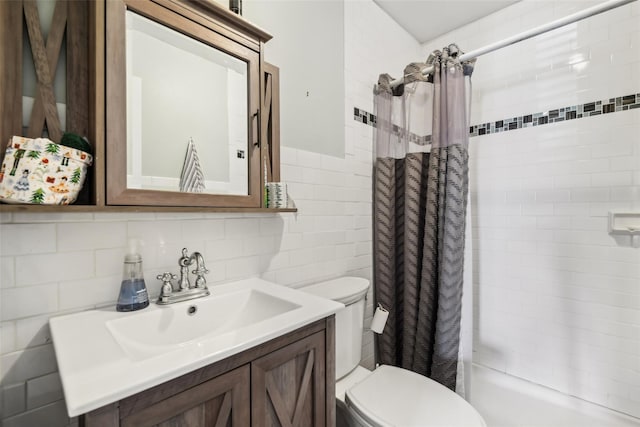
<point x="428" y="19"/>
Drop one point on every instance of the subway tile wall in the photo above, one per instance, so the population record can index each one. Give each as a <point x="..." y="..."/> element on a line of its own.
<point x="369" y="52"/>
<point x="52" y="264"/>
<point x="557" y="298"/>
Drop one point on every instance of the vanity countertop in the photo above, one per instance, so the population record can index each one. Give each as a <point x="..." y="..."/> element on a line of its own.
<point x="104" y="355"/>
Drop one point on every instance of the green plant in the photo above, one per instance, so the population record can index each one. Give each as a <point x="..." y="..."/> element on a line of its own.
<point x="33" y="154"/>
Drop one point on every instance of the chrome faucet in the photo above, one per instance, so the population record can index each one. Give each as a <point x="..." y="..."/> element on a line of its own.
<point x="184" y="262"/>
<point x="184" y="291"/>
<point x="200" y="271"/>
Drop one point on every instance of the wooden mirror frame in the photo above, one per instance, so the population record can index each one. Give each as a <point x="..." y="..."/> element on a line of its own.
<point x="208" y="23"/>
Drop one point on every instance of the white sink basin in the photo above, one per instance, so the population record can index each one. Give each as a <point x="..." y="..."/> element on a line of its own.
<point x="104" y="356"/>
<point x="155" y="332"/>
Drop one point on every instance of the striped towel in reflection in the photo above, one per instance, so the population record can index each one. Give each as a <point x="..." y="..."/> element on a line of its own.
<point x="191" y="178"/>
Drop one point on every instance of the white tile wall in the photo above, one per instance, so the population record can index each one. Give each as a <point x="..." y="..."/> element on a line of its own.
<point x="557" y="298"/>
<point x="14" y="400"/>
<point x="51" y="276"/>
<point x="53" y="264"/>
<point x="43" y="390"/>
<point x="368" y="53"/>
<point x="293" y="249"/>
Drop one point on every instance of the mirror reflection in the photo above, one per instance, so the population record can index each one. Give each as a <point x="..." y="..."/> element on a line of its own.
<point x="186" y="112"/>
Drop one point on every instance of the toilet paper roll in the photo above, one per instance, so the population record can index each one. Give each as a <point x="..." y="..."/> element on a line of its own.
<point x="379" y="319"/>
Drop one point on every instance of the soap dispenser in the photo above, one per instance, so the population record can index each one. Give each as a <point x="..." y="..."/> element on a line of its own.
<point x="133" y="291"/>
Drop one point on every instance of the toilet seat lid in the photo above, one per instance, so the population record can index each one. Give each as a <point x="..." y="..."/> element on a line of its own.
<point x="393" y="396"/>
<point x="346" y="290"/>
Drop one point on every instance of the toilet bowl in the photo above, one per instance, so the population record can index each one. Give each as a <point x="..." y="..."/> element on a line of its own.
<point x="388" y="396"/>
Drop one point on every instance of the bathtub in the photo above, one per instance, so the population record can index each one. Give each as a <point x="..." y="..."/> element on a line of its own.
<point x="507" y="401"/>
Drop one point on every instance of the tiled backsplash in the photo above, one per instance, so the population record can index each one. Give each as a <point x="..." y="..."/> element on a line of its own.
<point x="60" y="263"/>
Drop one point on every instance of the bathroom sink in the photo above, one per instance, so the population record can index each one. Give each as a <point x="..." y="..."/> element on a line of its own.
<point x="149" y="333"/>
<point x="104" y="355"/>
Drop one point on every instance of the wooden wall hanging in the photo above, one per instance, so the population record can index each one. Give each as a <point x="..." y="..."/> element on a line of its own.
<point x="270" y="122"/>
<point x="70" y="19"/>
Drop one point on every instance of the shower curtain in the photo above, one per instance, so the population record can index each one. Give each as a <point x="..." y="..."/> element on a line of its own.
<point x="420" y="200"/>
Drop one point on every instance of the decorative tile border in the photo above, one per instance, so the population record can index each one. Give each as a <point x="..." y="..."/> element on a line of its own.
<point x="364" y="117"/>
<point x="611" y="105"/>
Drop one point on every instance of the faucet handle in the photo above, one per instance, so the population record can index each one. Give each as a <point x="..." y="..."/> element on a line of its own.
<point x="167" y="286"/>
<point x="166" y="277"/>
<point x="202" y="270"/>
<point x="201" y="282"/>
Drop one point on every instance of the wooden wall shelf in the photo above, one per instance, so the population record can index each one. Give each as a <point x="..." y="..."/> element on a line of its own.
<point x="93" y="208"/>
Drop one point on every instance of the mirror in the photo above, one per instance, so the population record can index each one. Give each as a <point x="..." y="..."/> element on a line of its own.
<point x="186" y="112"/>
<point x="183" y="116"/>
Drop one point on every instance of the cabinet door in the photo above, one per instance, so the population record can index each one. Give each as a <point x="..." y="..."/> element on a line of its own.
<point x="288" y="387"/>
<point x="221" y="401"/>
<point x="208" y="88"/>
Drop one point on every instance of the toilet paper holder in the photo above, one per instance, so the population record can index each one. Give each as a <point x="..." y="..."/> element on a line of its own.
<point x="379" y="319"/>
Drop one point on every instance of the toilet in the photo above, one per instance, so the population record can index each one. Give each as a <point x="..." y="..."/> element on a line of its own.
<point x="388" y="396"/>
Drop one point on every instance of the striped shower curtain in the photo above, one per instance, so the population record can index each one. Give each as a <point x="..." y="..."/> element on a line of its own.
<point x="420" y="202"/>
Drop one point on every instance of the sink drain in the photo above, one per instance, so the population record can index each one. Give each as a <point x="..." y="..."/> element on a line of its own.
<point x="192" y="310"/>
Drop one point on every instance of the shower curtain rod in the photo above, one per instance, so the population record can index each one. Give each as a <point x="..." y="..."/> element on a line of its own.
<point x="591" y="11"/>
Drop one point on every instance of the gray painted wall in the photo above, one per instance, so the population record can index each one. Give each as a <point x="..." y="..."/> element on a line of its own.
<point x="308" y="46"/>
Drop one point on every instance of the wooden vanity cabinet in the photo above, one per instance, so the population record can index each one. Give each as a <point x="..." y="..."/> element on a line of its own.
<point x="288" y="381"/>
<point x="216" y="402"/>
<point x="288" y="385"/>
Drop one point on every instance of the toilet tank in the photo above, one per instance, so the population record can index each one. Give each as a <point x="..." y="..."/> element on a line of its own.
<point x="351" y="292"/>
